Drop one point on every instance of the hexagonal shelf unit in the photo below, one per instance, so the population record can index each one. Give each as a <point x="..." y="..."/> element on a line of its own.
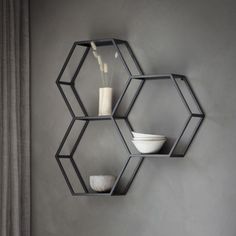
<point x="195" y="114"/>
<point x="135" y="73"/>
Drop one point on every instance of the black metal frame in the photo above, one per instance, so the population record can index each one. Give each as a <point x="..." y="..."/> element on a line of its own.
<point x="86" y="118"/>
<point x="191" y="115"/>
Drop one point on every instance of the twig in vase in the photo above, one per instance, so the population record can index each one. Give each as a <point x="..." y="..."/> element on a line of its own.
<point x="112" y="74"/>
<point x="105" y="69"/>
<point x="101" y="70"/>
<point x="103" y="66"/>
<point x="93" y="46"/>
<point x="99" y="59"/>
<point x="95" y="54"/>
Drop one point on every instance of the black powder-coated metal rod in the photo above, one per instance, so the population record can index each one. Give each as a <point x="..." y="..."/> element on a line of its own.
<point x="193" y="95"/>
<point x="197" y="115"/>
<point x="65" y="137"/>
<point x="154" y="77"/>
<point x="154" y="155"/>
<point x="120" y="41"/>
<point x="133" y="175"/>
<point x="178" y="76"/>
<point x="66" y="62"/>
<point x="134" y="58"/>
<point x="134" y="98"/>
<point x="140" y="85"/>
<point x="119" y="117"/>
<point x="178" y="155"/>
<point x="93" y="194"/>
<point x="80" y="64"/>
<point x="66" y="100"/>
<point x="99" y="42"/>
<point x="64" y="83"/>
<point x="93" y="118"/>
<point x="129" y="125"/>
<point x="63" y="156"/>
<point x="121" y="136"/>
<point x="181" y="95"/>
<point x="79" y="138"/>
<point x="194" y="133"/>
<point x="65" y="176"/>
<point x="121" y="57"/>
<point x="121" y="97"/>
<point x="79" y="100"/>
<point x="180" y="136"/>
<point x="79" y="175"/>
<point x="119" y="176"/>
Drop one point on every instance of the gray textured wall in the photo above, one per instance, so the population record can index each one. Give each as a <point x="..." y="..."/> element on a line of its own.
<point x="184" y="197"/>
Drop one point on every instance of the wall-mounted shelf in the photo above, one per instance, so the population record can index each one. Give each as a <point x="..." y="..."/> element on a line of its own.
<point x="187" y="97"/>
<point x="188" y="100"/>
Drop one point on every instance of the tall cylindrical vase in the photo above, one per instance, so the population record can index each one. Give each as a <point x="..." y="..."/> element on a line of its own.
<point x="105" y="101"/>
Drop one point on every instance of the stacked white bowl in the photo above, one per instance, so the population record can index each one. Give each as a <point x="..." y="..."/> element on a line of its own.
<point x="148" y="143"/>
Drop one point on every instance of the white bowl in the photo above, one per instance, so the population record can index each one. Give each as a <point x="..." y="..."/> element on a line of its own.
<point x="142" y="135"/>
<point x="148" y="146"/>
<point x="147" y="139"/>
<point x="102" y="183"/>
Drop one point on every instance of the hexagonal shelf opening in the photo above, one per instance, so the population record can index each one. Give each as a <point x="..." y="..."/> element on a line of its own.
<point x="82" y="69"/>
<point x="99" y="152"/>
<point x="166" y="105"/>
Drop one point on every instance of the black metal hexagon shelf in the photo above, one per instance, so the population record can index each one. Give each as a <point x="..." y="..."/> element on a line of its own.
<point x="195" y="114"/>
<point x="133" y="161"/>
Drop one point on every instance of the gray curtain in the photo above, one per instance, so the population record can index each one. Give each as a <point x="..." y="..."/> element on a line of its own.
<point x="14" y="119"/>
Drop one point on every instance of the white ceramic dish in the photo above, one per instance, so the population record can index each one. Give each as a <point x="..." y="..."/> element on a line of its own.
<point x="146" y="139"/>
<point x="148" y="146"/>
<point x="142" y="135"/>
<point x="102" y="183"/>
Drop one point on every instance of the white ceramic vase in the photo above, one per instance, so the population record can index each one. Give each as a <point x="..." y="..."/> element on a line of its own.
<point x="105" y="101"/>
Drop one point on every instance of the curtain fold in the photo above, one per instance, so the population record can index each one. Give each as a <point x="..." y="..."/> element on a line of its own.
<point x="14" y="119"/>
